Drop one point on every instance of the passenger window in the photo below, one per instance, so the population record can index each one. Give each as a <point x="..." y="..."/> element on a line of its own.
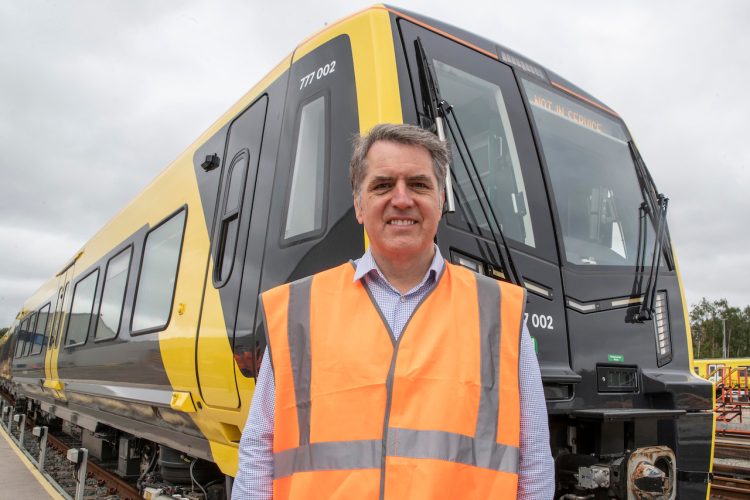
<point x="57" y="318"/>
<point x="158" y="275"/>
<point x="21" y="342"/>
<point x="305" y="212"/>
<point x="41" y="327"/>
<point x="30" y="334"/>
<point x="230" y="218"/>
<point x="80" y="312"/>
<point x="113" y="296"/>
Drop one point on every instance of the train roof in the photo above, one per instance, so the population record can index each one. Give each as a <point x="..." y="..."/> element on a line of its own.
<point x="502" y="53"/>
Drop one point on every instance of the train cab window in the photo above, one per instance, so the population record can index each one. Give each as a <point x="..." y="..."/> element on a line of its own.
<point x="480" y="108"/>
<point x="305" y="212"/>
<point x="596" y="186"/>
<point x="21" y="341"/>
<point x="113" y="296"/>
<point x="81" y="309"/>
<point x="230" y="218"/>
<point x="158" y="275"/>
<point x="41" y="328"/>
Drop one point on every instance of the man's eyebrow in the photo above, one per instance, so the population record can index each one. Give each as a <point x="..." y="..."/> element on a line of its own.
<point x="388" y="178"/>
<point x="420" y="178"/>
<point x="380" y="178"/>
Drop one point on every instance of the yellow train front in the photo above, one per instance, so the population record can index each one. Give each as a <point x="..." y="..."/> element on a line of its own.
<point x="149" y="339"/>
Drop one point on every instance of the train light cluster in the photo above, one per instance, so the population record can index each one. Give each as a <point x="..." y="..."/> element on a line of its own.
<point x="661" y="329"/>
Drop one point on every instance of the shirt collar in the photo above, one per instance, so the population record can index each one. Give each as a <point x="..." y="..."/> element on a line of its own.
<point x="366" y="265"/>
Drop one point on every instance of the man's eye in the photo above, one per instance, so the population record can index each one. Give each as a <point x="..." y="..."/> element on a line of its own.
<point x="381" y="186"/>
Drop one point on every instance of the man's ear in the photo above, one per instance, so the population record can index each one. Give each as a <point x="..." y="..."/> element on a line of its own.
<point x="358" y="208"/>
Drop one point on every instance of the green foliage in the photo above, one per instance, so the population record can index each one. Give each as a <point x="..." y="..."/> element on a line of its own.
<point x="3" y="331"/>
<point x="706" y="323"/>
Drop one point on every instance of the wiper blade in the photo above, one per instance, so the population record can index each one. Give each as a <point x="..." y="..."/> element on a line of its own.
<point x="647" y="306"/>
<point x="433" y="120"/>
<point x="655" y="205"/>
<point x="439" y="109"/>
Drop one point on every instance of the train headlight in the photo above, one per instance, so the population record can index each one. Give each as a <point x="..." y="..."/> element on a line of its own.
<point x="661" y="330"/>
<point x="467" y="262"/>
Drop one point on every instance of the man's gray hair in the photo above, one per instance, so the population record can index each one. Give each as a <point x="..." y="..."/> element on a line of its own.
<point x="401" y="134"/>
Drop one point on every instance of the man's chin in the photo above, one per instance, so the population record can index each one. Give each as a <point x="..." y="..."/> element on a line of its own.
<point x="405" y="250"/>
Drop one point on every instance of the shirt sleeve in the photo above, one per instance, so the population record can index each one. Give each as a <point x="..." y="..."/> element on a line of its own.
<point x="254" y="479"/>
<point x="536" y="477"/>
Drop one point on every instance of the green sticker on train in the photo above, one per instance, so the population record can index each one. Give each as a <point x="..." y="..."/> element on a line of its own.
<point x="616" y="358"/>
<point x="536" y="346"/>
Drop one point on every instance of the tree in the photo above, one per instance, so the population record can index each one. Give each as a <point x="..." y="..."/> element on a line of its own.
<point x="3" y="331"/>
<point x="710" y="320"/>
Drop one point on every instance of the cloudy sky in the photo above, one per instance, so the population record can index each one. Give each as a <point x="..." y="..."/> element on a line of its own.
<point x="98" y="96"/>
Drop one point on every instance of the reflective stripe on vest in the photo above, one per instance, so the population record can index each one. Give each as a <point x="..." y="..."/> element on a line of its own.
<point x="488" y="448"/>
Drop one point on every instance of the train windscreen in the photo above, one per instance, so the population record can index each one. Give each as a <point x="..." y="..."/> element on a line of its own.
<point x="480" y="108"/>
<point x="594" y="181"/>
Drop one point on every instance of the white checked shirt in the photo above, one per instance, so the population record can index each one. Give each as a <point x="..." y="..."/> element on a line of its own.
<point x="536" y="478"/>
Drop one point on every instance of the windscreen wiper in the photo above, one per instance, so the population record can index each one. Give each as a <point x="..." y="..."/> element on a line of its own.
<point x="433" y="120"/>
<point x="655" y="205"/>
<point x="438" y="111"/>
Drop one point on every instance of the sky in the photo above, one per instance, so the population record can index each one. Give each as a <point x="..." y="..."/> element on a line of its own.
<point x="99" y="96"/>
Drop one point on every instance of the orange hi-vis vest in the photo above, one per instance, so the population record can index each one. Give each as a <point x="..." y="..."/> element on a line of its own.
<point x="360" y="415"/>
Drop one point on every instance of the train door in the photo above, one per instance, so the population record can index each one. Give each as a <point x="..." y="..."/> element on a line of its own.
<point x="231" y="225"/>
<point x="498" y="187"/>
<point x="61" y="302"/>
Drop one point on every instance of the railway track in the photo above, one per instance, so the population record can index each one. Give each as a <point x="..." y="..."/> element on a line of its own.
<point x="111" y="483"/>
<point x="732" y="444"/>
<point x="731" y="481"/>
<point x="729" y="488"/>
<point x="99" y="482"/>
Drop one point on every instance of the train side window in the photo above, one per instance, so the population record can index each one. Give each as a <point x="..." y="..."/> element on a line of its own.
<point x="41" y="327"/>
<point x="57" y="316"/>
<point x="81" y="310"/>
<point x="230" y="216"/>
<point x="305" y="205"/>
<point x="113" y="295"/>
<point x="30" y="334"/>
<point x="158" y="275"/>
<point x="21" y="339"/>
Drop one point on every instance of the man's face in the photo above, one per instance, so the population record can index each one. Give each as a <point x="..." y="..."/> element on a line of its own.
<point x="399" y="202"/>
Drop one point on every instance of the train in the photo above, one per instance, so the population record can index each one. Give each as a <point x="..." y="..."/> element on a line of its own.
<point x="147" y="342"/>
<point x="730" y="372"/>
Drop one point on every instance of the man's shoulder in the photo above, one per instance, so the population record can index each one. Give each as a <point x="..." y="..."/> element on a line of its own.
<point x="343" y="273"/>
<point x="470" y="276"/>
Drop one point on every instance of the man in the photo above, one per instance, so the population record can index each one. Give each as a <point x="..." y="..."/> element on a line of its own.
<point x="398" y="375"/>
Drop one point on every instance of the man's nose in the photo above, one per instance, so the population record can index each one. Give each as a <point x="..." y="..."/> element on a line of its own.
<point x="401" y="196"/>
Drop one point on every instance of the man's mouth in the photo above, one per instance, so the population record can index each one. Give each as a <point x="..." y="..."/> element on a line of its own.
<point x="401" y="222"/>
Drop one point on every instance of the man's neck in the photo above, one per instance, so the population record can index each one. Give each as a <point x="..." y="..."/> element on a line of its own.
<point x="403" y="275"/>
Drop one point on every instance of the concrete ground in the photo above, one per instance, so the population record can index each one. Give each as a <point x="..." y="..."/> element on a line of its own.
<point x="18" y="477"/>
